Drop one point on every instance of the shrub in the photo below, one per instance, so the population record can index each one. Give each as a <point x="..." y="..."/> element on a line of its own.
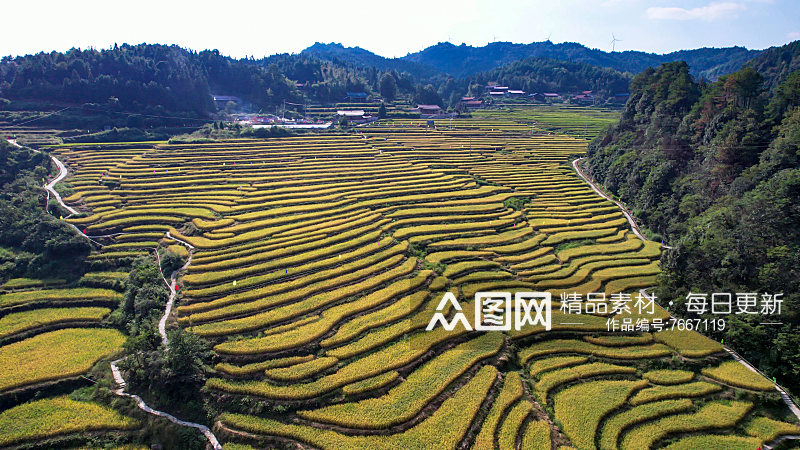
<point x="407" y="399"/>
<point x="456" y="415"/>
<point x="370" y="384"/>
<point x="769" y="429"/>
<point x="28" y="320"/>
<point x="556" y="362"/>
<point x="688" y="343"/>
<point x="558" y="377"/>
<point x="509" y="394"/>
<point x="668" y="377"/>
<point x="507" y="435"/>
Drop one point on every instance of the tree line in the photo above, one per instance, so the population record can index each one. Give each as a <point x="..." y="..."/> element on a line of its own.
<point x="142" y="86"/>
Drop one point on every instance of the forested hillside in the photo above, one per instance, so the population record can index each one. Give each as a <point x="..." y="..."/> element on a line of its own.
<point x="142" y="78"/>
<point x="33" y="243"/>
<point x="551" y="75"/>
<point x="357" y="56"/>
<point x="715" y="169"/>
<point x="777" y="63"/>
<point x="329" y="80"/>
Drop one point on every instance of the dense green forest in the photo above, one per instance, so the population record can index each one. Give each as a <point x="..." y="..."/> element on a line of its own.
<point x="33" y="242"/>
<point x="715" y="170"/>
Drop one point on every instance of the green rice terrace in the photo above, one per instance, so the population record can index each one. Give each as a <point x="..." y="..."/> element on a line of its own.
<point x="580" y="121"/>
<point x="316" y="263"/>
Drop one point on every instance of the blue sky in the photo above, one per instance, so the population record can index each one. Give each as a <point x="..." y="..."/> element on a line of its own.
<point x="395" y="28"/>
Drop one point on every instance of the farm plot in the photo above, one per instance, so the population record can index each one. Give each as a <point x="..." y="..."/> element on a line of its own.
<point x="58" y="416"/>
<point x="52" y="332"/>
<point x="319" y="260"/>
<point x="579" y="121"/>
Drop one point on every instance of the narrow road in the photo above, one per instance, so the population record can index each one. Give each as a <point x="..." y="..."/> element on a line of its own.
<point x="634" y="226"/>
<point x="786" y="398"/>
<point x="62" y="173"/>
<point x="49" y="187"/>
<point x="780" y="439"/>
<point x="162" y="330"/>
<point x="115" y="372"/>
<point x="162" y="324"/>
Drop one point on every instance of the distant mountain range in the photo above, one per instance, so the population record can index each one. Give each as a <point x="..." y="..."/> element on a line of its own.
<point x="463" y="60"/>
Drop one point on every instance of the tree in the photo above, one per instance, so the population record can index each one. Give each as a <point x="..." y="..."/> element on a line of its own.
<point x="427" y="95"/>
<point x="146" y="293"/>
<point x="382" y="111"/>
<point x="184" y="367"/>
<point x="388" y="86"/>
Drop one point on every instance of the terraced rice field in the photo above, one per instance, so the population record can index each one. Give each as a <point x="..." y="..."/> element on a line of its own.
<point x="319" y="260"/>
<point x="579" y="121"/>
<point x="50" y="337"/>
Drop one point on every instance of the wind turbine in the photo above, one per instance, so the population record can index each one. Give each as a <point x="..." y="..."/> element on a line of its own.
<point x="614" y="41"/>
<point x="548" y="36"/>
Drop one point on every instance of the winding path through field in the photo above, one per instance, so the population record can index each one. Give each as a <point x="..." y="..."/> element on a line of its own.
<point x="634" y="226"/>
<point x="162" y="330"/>
<point x="49" y="187"/>
<point x="120" y="391"/>
<point x="115" y="372"/>
<point x="162" y="324"/>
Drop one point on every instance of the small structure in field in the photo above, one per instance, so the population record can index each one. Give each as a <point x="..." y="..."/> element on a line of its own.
<point x="427" y="110"/>
<point x="356" y="97"/>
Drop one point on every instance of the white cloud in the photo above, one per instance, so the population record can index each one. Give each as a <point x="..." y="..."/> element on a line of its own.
<point x="712" y="11"/>
<point x="794" y="35"/>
